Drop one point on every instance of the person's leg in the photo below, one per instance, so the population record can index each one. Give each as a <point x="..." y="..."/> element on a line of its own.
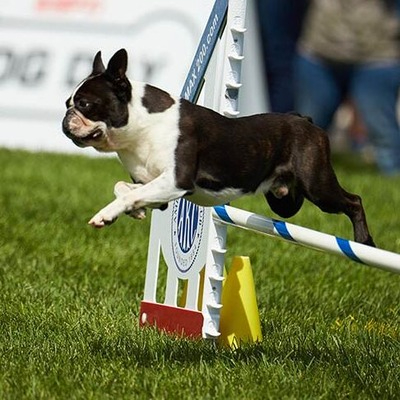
<point x="319" y="89"/>
<point x="280" y="24"/>
<point x="375" y="90"/>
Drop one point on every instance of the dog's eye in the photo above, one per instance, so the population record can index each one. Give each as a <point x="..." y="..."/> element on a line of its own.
<point x="83" y="104"/>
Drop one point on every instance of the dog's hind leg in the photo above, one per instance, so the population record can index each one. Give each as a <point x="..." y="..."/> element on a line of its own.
<point x="327" y="194"/>
<point x="284" y="196"/>
<point x="285" y="206"/>
<point x="122" y="188"/>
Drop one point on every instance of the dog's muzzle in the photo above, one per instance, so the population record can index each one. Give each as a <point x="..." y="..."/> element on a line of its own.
<point x="80" y="132"/>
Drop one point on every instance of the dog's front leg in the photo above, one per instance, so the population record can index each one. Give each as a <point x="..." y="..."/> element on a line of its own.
<point x="159" y="191"/>
<point x="121" y="188"/>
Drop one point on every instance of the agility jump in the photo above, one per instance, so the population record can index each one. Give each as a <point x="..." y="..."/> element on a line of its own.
<point x="192" y="239"/>
<point x="174" y="149"/>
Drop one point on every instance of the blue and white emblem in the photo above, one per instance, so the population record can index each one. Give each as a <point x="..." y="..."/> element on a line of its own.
<point x="186" y="233"/>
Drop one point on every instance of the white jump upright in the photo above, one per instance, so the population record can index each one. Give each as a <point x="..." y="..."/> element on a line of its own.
<point x="185" y="235"/>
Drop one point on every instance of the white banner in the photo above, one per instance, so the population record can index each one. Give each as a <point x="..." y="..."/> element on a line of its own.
<point x="47" y="47"/>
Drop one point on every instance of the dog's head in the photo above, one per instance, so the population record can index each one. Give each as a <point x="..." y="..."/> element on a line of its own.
<point x="99" y="104"/>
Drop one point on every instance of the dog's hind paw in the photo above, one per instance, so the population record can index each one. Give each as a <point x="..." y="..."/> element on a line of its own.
<point x="140" y="213"/>
<point x="370" y="242"/>
<point x="121" y="188"/>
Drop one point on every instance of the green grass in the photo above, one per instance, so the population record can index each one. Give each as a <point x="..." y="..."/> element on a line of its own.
<point x="70" y="295"/>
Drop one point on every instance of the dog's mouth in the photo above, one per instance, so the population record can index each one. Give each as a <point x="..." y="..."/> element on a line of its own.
<point x="81" y="130"/>
<point x="87" y="140"/>
<point x="84" y="132"/>
<point x="96" y="134"/>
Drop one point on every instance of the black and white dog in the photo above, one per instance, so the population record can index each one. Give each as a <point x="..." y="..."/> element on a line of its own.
<point x="173" y="148"/>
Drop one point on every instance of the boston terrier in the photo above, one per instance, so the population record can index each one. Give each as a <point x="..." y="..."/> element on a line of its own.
<point x="173" y="148"/>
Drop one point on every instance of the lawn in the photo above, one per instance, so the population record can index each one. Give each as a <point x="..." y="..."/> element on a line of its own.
<point x="70" y="296"/>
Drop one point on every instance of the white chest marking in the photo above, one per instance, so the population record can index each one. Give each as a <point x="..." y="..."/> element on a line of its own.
<point x="148" y="143"/>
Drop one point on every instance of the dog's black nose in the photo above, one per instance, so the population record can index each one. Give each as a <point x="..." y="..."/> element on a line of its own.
<point x="66" y="123"/>
<point x="65" y="126"/>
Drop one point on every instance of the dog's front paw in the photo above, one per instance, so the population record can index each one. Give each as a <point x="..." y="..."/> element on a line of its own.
<point x="108" y="214"/>
<point x="99" y="221"/>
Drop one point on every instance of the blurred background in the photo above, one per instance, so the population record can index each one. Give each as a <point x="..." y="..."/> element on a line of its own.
<point x="47" y="47"/>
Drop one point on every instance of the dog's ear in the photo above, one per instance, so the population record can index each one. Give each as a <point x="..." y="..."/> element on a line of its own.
<point x="116" y="73"/>
<point x="98" y="66"/>
<point x="118" y="65"/>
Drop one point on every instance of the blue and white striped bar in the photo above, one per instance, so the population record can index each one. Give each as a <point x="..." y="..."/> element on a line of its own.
<point x="360" y="253"/>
